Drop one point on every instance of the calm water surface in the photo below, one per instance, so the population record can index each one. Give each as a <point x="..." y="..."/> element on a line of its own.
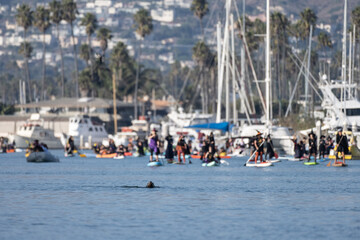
<point x="84" y="198"/>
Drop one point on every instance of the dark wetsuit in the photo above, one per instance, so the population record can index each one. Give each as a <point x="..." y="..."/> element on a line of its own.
<point x="169" y="154"/>
<point x="342" y="144"/>
<point x="312" y="146"/>
<point x="269" y="149"/>
<point x="322" y="148"/>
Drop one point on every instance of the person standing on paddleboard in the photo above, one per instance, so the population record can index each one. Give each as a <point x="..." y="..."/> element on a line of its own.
<point x="259" y="147"/>
<point x="341" y="145"/>
<point x="181" y="148"/>
<point x="322" y="147"/>
<point x="312" y="146"/>
<point x="169" y="153"/>
<point x="269" y="148"/>
<point x="154" y="145"/>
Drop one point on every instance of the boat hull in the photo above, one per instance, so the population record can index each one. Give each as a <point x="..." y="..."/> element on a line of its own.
<point x="39" y="157"/>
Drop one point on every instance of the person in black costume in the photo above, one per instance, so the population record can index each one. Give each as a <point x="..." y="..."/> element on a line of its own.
<point x="140" y="147"/>
<point x="269" y="148"/>
<point x="70" y="146"/>
<point x="312" y="146"/>
<point x="322" y="147"/>
<point x="169" y="153"/>
<point x="342" y="145"/>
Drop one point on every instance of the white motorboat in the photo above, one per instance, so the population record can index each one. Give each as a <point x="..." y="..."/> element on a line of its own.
<point x="86" y="131"/>
<point x="34" y="129"/>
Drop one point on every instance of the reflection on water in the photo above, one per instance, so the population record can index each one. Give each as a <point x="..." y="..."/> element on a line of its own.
<point x="88" y="198"/>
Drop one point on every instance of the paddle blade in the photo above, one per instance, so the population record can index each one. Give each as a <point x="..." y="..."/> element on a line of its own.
<point x="82" y="155"/>
<point x="329" y="163"/>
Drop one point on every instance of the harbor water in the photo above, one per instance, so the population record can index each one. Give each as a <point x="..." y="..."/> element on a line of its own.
<point x="89" y="198"/>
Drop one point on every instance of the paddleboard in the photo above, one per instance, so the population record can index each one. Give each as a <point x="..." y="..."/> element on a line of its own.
<point x="119" y="157"/>
<point x="179" y="163"/>
<point x="275" y="160"/>
<point x="295" y="159"/>
<point x="154" y="164"/>
<point x="211" y="164"/>
<point x="263" y="164"/>
<point x="198" y="157"/>
<point x="339" y="164"/>
<point x="224" y="162"/>
<point x="311" y="163"/>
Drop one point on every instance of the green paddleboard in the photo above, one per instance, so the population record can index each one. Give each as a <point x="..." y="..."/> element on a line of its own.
<point x="311" y="163"/>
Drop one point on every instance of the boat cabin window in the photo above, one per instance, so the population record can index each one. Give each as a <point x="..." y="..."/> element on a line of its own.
<point x="353" y="112"/>
<point x="30" y="128"/>
<point x="86" y="122"/>
<point x="100" y="129"/>
<point x="24" y="128"/>
<point x="96" y="129"/>
<point x="90" y="129"/>
<point x="75" y="121"/>
<point x="81" y="121"/>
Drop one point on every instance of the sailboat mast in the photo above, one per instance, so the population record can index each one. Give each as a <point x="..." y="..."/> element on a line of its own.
<point x="233" y="68"/>
<point x="267" y="73"/>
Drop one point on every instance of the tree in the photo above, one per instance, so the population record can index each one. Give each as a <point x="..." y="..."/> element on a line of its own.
<point x="56" y="16"/>
<point x="203" y="57"/>
<point x="103" y="35"/>
<point x="119" y="57"/>
<point x="279" y="26"/>
<point x="200" y="8"/>
<point x="42" y="22"/>
<point x="355" y="19"/>
<point x="86" y="54"/>
<point x="90" y="22"/>
<point x="144" y="26"/>
<point x="70" y="11"/>
<point x="307" y="18"/>
<point x="24" y="18"/>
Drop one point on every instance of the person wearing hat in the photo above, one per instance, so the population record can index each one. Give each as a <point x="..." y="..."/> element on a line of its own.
<point x="154" y="145"/>
<point x="181" y="148"/>
<point x="259" y="147"/>
<point x="322" y="147"/>
<point x="269" y="148"/>
<point x="341" y="145"/>
<point x="312" y="146"/>
<point x="169" y="153"/>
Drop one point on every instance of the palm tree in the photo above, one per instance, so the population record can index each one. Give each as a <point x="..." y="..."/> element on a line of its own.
<point x="203" y="56"/>
<point x="56" y="16"/>
<point x="42" y="22"/>
<point x="355" y="19"/>
<point x="200" y="8"/>
<point x="279" y="27"/>
<point x="90" y="23"/>
<point x="24" y="18"/>
<point x="144" y="26"/>
<point x="118" y="57"/>
<point x="324" y="41"/>
<point x="103" y="35"/>
<point x="70" y="11"/>
<point x="85" y="54"/>
<point x="307" y="18"/>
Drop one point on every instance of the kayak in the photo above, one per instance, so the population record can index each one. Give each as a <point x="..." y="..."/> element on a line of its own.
<point x="211" y="164"/>
<point x="119" y="157"/>
<point x="128" y="154"/>
<point x="263" y="164"/>
<point x="311" y="163"/>
<point x="110" y="155"/>
<point x="339" y="164"/>
<point x="347" y="156"/>
<point x="41" y="157"/>
<point x="198" y="157"/>
<point x="154" y="164"/>
<point x="10" y="150"/>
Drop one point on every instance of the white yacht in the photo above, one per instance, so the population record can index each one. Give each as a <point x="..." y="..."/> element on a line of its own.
<point x="34" y="129"/>
<point x="86" y="131"/>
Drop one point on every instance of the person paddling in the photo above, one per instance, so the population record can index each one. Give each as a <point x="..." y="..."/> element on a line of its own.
<point x="259" y="147"/>
<point x="70" y="146"/>
<point x="169" y="153"/>
<point x="181" y="148"/>
<point x="154" y="145"/>
<point x="342" y="145"/>
<point x="269" y="148"/>
<point x="312" y="146"/>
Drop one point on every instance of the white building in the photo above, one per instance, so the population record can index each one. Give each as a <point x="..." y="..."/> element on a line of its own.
<point x="162" y="15"/>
